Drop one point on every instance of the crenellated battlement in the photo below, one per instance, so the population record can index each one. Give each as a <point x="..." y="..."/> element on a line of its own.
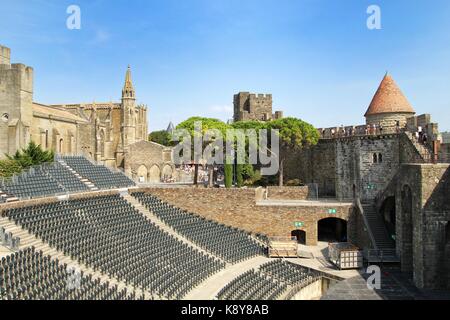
<point x="5" y="55"/>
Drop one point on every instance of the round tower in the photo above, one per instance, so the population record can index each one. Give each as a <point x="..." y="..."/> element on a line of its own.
<point x="389" y="106"/>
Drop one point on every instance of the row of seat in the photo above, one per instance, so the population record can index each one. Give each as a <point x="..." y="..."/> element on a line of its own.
<point x="65" y="177"/>
<point x="272" y="281"/>
<point x="30" y="275"/>
<point x="252" y="285"/>
<point x="100" y="176"/>
<point x="35" y="182"/>
<point x="108" y="234"/>
<point x="230" y="244"/>
<point x="54" y="178"/>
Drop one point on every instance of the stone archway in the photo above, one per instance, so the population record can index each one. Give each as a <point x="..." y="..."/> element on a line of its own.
<point x="142" y="174"/>
<point x="332" y="230"/>
<point x="300" y="235"/>
<point x="154" y="174"/>
<point x="406" y="226"/>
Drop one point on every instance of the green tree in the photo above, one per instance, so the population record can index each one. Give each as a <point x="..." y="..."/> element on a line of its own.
<point x="161" y="137"/>
<point x="228" y="170"/>
<point x="294" y="134"/>
<point x="32" y="155"/>
<point x="239" y="175"/>
<point x="9" y="167"/>
<point x="207" y="124"/>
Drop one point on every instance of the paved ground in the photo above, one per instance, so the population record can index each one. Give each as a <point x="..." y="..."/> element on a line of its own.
<point x="394" y="286"/>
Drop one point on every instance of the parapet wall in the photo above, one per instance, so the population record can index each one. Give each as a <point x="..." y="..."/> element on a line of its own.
<point x="287" y="193"/>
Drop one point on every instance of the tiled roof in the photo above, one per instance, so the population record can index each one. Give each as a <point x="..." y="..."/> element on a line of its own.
<point x="388" y="99"/>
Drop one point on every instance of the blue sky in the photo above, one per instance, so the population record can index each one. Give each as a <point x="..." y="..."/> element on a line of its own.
<point x="188" y="57"/>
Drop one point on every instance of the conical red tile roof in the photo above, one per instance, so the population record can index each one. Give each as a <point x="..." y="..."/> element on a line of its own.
<point x="388" y="99"/>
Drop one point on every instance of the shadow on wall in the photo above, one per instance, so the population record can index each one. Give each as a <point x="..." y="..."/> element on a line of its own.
<point x="439" y="200"/>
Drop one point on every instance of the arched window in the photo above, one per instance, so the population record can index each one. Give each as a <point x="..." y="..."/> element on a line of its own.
<point x="375" y="158"/>
<point x="61" y="146"/>
<point x="380" y="158"/>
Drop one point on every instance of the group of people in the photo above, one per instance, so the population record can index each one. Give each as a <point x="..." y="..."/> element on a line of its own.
<point x="421" y="136"/>
<point x="370" y="129"/>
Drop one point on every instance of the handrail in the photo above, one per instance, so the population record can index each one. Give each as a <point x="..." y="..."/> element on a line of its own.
<point x="366" y="223"/>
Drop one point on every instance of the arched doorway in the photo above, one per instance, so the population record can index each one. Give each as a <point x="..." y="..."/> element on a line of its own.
<point x="154" y="174"/>
<point x="167" y="172"/>
<point x="332" y="230"/>
<point x="300" y="235"/>
<point x="406" y="226"/>
<point x="389" y="215"/>
<point x="142" y="173"/>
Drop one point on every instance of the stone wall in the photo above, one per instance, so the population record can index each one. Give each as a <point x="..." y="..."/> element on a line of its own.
<point x="422" y="206"/>
<point x="287" y="193"/>
<point x="360" y="168"/>
<point x="237" y="208"/>
<point x="316" y="164"/>
<point x="146" y="160"/>
<point x="344" y="167"/>
<point x="16" y="97"/>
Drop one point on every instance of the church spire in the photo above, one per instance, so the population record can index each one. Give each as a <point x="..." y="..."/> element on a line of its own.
<point x="128" y="89"/>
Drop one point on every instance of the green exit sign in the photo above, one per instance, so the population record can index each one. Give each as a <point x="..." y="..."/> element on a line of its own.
<point x="371" y="187"/>
<point x="299" y="224"/>
<point x="332" y="211"/>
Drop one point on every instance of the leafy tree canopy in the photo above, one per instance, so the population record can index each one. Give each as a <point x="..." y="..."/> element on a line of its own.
<point x="295" y="133"/>
<point x="32" y="155"/>
<point x="162" y="137"/>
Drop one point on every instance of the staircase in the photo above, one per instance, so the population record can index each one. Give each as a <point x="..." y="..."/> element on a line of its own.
<point x="384" y="245"/>
<point x="425" y="153"/>
<point x="376" y="224"/>
<point x="89" y="184"/>
<point x="29" y="240"/>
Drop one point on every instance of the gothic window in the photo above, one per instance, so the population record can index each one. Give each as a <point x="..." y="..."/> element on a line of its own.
<point x="380" y="158"/>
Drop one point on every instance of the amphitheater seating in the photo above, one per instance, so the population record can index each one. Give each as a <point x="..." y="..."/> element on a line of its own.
<point x="30" y="275"/>
<point x="99" y="175"/>
<point x="289" y="273"/>
<point x="34" y="183"/>
<point x="43" y="180"/>
<point x="272" y="281"/>
<point x="64" y="177"/>
<point x="110" y="235"/>
<point x="231" y="244"/>
<point x="252" y="285"/>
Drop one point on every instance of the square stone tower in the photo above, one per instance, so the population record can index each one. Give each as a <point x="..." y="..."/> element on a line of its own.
<point x="16" y="100"/>
<point x="250" y="106"/>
